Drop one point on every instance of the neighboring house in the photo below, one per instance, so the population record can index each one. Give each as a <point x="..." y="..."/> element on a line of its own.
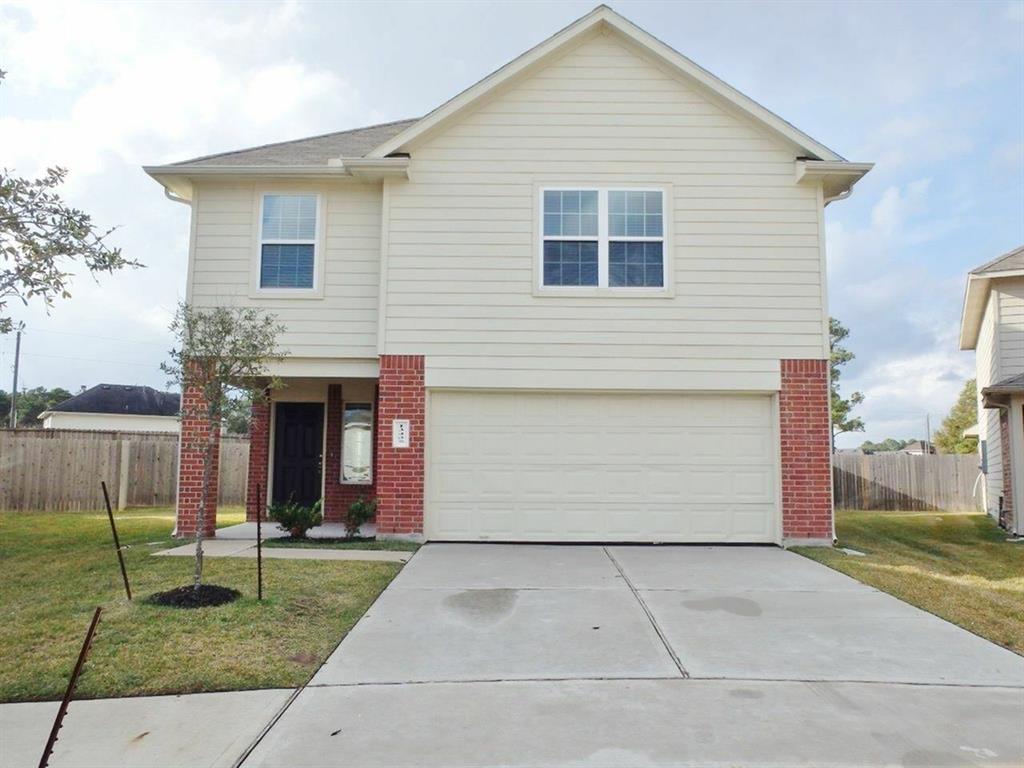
<point x="123" y="407"/>
<point x="993" y="326"/>
<point x="917" y="448"/>
<point x="583" y="300"/>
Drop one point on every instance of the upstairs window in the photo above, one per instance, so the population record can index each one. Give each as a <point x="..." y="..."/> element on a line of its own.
<point x="603" y="238"/>
<point x="288" y="233"/>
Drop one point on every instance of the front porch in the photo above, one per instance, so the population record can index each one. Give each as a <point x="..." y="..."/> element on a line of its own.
<point x="320" y="438"/>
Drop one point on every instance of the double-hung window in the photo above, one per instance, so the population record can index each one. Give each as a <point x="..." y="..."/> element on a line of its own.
<point x="288" y="242"/>
<point x="603" y="238"/>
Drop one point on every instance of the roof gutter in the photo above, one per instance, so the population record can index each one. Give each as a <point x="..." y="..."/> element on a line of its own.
<point x="177" y="179"/>
<point x="836" y="177"/>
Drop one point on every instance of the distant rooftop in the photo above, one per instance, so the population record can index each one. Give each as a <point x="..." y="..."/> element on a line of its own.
<point x="314" y="150"/>
<point x="122" y="398"/>
<point x="1008" y="261"/>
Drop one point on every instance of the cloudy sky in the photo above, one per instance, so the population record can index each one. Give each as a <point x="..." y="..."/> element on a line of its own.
<point x="931" y="92"/>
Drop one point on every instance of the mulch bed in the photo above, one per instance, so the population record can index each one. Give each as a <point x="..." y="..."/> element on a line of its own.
<point x="186" y="597"/>
<point x="317" y="539"/>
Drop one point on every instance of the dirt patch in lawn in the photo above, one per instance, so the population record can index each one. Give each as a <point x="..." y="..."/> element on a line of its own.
<point x="207" y="596"/>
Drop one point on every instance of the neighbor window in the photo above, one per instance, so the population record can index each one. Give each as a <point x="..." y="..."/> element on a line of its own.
<point x="603" y="238"/>
<point x="357" y="443"/>
<point x="288" y="227"/>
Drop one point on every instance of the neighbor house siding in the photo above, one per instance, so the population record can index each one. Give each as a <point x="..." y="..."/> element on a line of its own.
<point x="463" y="240"/>
<point x="988" y="419"/>
<point x="116" y="421"/>
<point x="341" y="324"/>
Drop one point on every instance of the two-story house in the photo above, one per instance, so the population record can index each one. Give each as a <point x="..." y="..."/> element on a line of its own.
<point x="992" y="324"/>
<point x="583" y="300"/>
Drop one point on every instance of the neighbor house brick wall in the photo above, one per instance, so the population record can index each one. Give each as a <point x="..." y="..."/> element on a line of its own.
<point x="195" y="431"/>
<point x="337" y="495"/>
<point x="804" y="431"/>
<point x="399" y="483"/>
<point x="1006" y="517"/>
<point x="259" y="458"/>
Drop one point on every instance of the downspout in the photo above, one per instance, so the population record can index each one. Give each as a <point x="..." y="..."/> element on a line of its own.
<point x="174" y="198"/>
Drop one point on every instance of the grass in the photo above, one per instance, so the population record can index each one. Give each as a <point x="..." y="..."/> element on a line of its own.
<point x="957" y="566"/>
<point x="395" y="545"/>
<point x="58" y="567"/>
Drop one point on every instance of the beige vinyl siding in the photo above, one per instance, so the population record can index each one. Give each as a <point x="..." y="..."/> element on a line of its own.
<point x="987" y="363"/>
<point x="1011" y="326"/>
<point x="463" y="238"/>
<point x="343" y="323"/>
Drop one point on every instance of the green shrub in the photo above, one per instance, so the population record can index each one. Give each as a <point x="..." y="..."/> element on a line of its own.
<point x="296" y="518"/>
<point x="359" y="512"/>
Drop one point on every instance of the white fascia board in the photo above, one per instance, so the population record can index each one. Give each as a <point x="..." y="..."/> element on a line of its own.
<point x="606" y="16"/>
<point x="177" y="179"/>
<point x="836" y="177"/>
<point x="975" y="300"/>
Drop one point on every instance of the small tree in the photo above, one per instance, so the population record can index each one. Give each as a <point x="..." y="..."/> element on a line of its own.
<point x="220" y="352"/>
<point x="842" y="421"/>
<point x="964" y="413"/>
<point x="40" y="237"/>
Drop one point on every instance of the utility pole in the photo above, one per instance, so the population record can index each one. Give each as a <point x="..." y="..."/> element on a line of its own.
<point x="928" y="431"/>
<point x="14" y="390"/>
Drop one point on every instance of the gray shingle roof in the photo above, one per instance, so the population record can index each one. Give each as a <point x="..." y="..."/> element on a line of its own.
<point x="1008" y="261"/>
<point x="122" y="398"/>
<point x="314" y="150"/>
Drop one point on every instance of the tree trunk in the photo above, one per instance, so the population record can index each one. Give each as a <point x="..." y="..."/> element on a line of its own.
<point x="201" y="514"/>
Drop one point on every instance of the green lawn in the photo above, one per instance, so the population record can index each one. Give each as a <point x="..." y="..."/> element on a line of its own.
<point x="957" y="566"/>
<point x="388" y="544"/>
<point x="58" y="567"/>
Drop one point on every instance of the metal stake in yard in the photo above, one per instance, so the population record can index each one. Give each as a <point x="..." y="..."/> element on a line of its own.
<point x="117" y="542"/>
<point x="72" y="683"/>
<point x="259" y="542"/>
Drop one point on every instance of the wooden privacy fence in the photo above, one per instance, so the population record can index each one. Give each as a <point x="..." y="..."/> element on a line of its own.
<point x="893" y="481"/>
<point x="61" y="469"/>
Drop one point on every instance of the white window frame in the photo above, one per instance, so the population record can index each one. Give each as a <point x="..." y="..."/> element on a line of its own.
<point x="373" y="447"/>
<point x="317" y="290"/>
<point x="666" y="290"/>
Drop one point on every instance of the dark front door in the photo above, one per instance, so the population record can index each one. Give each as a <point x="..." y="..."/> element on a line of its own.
<point x="298" y="452"/>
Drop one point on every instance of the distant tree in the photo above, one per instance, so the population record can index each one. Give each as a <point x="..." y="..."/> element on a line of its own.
<point x="842" y="421"/>
<point x="41" y="238"/>
<point x="964" y="413"/>
<point x="221" y="352"/>
<point x="236" y="414"/>
<point x="5" y="407"/>
<point x="889" y="445"/>
<point x="32" y="402"/>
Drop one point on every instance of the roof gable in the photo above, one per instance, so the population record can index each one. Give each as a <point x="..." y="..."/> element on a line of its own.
<point x="600" y="19"/>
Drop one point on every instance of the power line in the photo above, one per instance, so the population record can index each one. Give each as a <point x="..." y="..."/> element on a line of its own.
<point x="89" y="359"/>
<point x="105" y="338"/>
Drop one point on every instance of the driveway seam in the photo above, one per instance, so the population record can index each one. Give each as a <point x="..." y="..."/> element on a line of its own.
<point x="650" y="616"/>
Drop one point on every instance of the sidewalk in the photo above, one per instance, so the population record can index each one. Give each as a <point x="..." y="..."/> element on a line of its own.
<point x="201" y="730"/>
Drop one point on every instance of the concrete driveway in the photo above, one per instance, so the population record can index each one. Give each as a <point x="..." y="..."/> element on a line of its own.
<point x="481" y="655"/>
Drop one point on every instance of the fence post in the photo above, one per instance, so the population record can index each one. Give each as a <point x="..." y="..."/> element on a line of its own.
<point x="122" y="476"/>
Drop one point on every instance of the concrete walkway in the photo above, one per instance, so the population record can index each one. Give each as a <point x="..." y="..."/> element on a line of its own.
<point x="648" y="656"/>
<point x="204" y="729"/>
<point x="240" y="541"/>
<point x="242" y="548"/>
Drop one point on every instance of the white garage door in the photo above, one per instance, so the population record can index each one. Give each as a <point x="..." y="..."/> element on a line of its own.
<point x="600" y="467"/>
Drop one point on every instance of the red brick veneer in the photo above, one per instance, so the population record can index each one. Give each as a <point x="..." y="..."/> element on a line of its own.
<point x="259" y="459"/>
<point x="806" y="450"/>
<point x="399" y="483"/>
<point x="1006" y="517"/>
<point x="195" y="430"/>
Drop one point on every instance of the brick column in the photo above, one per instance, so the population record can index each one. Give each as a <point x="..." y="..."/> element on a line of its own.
<point x="401" y="395"/>
<point x="1006" y="516"/>
<point x="259" y="459"/>
<point x="195" y="431"/>
<point x="805" y="434"/>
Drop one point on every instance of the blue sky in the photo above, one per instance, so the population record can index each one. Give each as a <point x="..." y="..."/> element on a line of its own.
<point x="931" y="92"/>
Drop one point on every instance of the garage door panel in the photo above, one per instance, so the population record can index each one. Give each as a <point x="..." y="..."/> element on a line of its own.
<point x="601" y="467"/>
